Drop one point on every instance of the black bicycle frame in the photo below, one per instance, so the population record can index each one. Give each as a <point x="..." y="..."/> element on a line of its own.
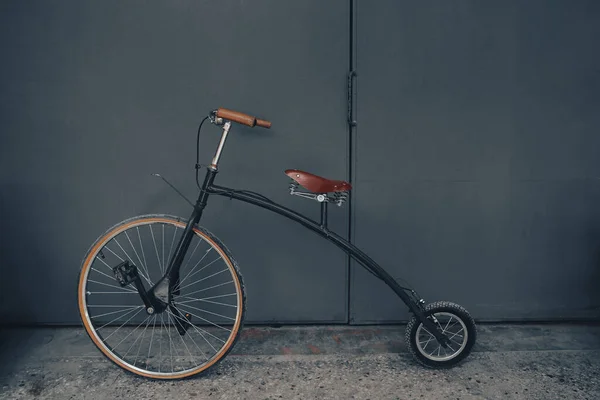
<point x="162" y="288"/>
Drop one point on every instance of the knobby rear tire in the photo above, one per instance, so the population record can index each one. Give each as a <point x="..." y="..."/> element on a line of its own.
<point x="448" y="309"/>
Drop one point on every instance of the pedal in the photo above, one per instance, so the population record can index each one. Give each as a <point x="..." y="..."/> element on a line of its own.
<point x="183" y="321"/>
<point x="126" y="273"/>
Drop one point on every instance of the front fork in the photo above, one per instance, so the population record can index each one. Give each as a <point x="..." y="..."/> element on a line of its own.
<point x="416" y="306"/>
<point x="159" y="297"/>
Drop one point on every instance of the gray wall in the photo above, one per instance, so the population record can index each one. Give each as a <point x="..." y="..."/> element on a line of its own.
<point x="96" y="95"/>
<point x="474" y="163"/>
<point x="478" y="156"/>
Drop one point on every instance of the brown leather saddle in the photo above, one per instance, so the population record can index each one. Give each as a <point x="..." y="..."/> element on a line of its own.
<point x="317" y="184"/>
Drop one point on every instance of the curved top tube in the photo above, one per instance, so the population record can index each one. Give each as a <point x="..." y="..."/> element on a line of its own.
<point x="320" y="228"/>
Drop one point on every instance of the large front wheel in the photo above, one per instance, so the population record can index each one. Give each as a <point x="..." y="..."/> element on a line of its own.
<point x="455" y="322"/>
<point x="209" y="295"/>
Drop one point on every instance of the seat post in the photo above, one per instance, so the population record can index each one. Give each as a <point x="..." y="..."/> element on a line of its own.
<point x="324" y="215"/>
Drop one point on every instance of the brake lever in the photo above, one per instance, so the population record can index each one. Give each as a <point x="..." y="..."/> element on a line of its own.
<point x="214" y="119"/>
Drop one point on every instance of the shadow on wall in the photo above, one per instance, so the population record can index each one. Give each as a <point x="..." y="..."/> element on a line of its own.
<point x="17" y="254"/>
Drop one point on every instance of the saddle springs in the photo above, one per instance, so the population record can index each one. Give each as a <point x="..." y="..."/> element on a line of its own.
<point x="333" y="197"/>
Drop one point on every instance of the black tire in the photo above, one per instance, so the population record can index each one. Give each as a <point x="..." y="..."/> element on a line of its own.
<point x="435" y="308"/>
<point x="199" y="231"/>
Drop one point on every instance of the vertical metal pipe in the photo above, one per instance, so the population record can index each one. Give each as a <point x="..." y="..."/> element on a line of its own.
<point x="215" y="160"/>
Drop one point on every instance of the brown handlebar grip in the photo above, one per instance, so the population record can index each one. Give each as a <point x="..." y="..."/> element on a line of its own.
<point x="236" y="116"/>
<point x="263" y="123"/>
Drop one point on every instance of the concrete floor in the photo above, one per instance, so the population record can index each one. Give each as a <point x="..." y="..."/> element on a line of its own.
<point x="509" y="362"/>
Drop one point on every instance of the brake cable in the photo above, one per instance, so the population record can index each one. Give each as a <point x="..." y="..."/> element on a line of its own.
<point x="198" y="165"/>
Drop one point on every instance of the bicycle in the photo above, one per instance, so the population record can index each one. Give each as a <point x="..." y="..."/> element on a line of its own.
<point x="194" y="325"/>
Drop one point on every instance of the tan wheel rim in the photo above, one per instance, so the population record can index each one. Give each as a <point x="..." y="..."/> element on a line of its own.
<point x="83" y="309"/>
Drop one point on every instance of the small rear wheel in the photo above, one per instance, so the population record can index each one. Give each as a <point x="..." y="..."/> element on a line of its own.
<point x="458" y="326"/>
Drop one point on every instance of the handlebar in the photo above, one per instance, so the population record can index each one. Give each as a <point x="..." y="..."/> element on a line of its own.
<point x="263" y="123"/>
<point x="241" y="118"/>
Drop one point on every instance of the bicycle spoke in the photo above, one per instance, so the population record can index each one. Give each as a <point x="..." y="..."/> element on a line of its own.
<point x="172" y="243"/>
<point x="212" y="323"/>
<point x="102" y="273"/>
<point x="112" y="278"/>
<point x="113" y="286"/>
<point x="171" y="315"/>
<point x="434" y="349"/>
<point x="104" y="262"/>
<point x="130" y="333"/>
<point x="172" y="344"/>
<point x="423" y="327"/>
<point x="192" y="255"/>
<point x="121" y="247"/>
<point x="454" y="323"/>
<point x="130" y="292"/>
<point x="207" y="301"/>
<point x="453" y="351"/>
<point x="110" y="306"/>
<point x="444" y="329"/>
<point x="194" y="267"/>
<point x="219" y="296"/>
<point x="208" y="312"/>
<point x="428" y="340"/>
<point x="206" y="298"/>
<point x="152" y="336"/>
<point x="162" y="328"/>
<point x="114" y="312"/>
<point x="212" y="287"/>
<point x="203" y="279"/>
<point x="156" y="249"/>
<point x="203" y="268"/>
<point x="121" y="316"/>
<point x="115" y="254"/>
<point x="200" y="330"/>
<point x="133" y="316"/>
<point x="142" y="247"/>
<point x="141" y="341"/>
<point x="142" y="265"/>
<point x="457" y="334"/>
<point x="191" y="338"/>
<point x="170" y="348"/>
<point x="161" y="340"/>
